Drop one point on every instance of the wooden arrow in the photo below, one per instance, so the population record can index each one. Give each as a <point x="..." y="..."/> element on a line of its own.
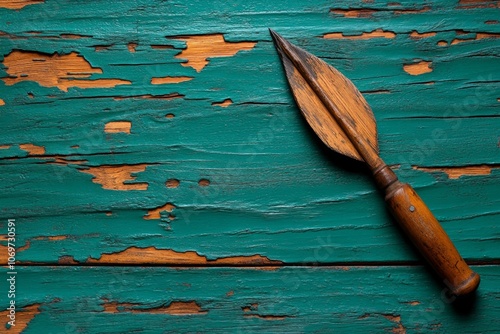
<point x="341" y="117"/>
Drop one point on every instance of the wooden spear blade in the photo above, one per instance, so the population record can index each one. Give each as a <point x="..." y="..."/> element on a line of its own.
<point x="340" y="116"/>
<point x="318" y="87"/>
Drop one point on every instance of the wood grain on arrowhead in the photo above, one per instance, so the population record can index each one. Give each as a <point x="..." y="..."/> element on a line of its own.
<point x="345" y="96"/>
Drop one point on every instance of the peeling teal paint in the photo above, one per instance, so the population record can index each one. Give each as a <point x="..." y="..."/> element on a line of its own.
<point x="274" y="190"/>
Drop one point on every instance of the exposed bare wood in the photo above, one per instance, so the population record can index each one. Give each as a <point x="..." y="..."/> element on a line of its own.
<point x="172" y="183"/>
<point x="174" y="308"/>
<point x="169" y="80"/>
<point x="61" y="71"/>
<point x="479" y="36"/>
<point x="2" y="102"/>
<point x="418" y="68"/>
<point x="73" y="36"/>
<point x="354" y="13"/>
<point x="204" y="183"/>
<point x="224" y="104"/>
<point x="18" y="4"/>
<point x="155" y="213"/>
<point x="457" y="172"/>
<point x="117" y="177"/>
<point x="23" y="317"/>
<point x="118" y="126"/>
<point x="378" y="33"/>
<point x="152" y="255"/>
<point x="416" y="35"/>
<point x="32" y="149"/>
<point x="201" y="47"/>
<point x="131" y="47"/>
<point x="473" y="4"/>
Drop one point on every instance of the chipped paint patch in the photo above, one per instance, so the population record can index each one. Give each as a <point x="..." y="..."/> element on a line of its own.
<point x="114" y="177"/>
<point x="204" y="183"/>
<point x="400" y="329"/>
<point x="66" y="260"/>
<point x="4" y="147"/>
<point x="74" y="36"/>
<point x="252" y="260"/>
<point x="32" y="149"/>
<point x="169" y="80"/>
<point x="118" y="126"/>
<point x="413" y="303"/>
<point x="61" y="160"/>
<point x="155" y="213"/>
<point x="473" y="4"/>
<point x="152" y="255"/>
<point x="131" y="47"/>
<point x="172" y="183"/>
<point x="23" y="318"/>
<point x="18" y="4"/>
<point x="224" y="104"/>
<point x="201" y="47"/>
<point x="54" y="70"/>
<point x="378" y="33"/>
<point x="457" y="172"/>
<point x="4" y="255"/>
<point x="174" y="308"/>
<point x="354" y="13"/>
<point x="419" y="68"/>
<point x="416" y="35"/>
<point x="479" y="36"/>
<point x="2" y="102"/>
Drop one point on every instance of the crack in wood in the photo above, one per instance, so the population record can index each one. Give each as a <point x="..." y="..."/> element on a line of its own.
<point x="23" y="316"/>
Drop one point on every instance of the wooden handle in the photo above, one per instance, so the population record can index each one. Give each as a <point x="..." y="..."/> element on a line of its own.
<point x="420" y="225"/>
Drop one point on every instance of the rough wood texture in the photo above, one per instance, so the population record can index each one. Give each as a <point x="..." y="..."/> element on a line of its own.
<point x="425" y="232"/>
<point x="273" y="191"/>
<point x="400" y="299"/>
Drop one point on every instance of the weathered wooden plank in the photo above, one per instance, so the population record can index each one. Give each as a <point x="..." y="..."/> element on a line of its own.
<point x="290" y="300"/>
<point x="71" y="169"/>
<point x="229" y="219"/>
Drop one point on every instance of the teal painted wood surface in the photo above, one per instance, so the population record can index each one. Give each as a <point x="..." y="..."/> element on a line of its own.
<point x="274" y="191"/>
<point x="288" y="300"/>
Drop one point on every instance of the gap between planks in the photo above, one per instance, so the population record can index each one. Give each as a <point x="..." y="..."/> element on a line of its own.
<point x="270" y="266"/>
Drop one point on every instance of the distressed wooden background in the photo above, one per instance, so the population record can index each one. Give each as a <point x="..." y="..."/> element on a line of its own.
<point x="162" y="179"/>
